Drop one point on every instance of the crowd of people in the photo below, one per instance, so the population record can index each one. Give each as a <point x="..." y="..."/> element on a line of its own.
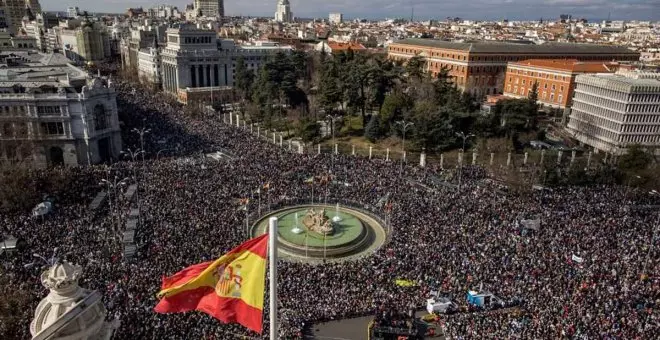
<point x="442" y="239"/>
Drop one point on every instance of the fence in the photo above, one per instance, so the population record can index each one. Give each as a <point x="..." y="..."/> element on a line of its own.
<point x="496" y="161"/>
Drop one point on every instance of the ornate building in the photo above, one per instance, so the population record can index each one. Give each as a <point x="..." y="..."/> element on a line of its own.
<point x="52" y="112"/>
<point x="69" y="312"/>
<point x="283" y="11"/>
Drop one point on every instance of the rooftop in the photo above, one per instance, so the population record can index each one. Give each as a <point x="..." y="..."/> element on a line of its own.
<point x="570" y="65"/>
<point x="628" y="78"/>
<point x="509" y="47"/>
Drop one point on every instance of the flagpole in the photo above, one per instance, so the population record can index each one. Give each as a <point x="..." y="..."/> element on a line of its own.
<point x="259" y="208"/>
<point x="272" y="246"/>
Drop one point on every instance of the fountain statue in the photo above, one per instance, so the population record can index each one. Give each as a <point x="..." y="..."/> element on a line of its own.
<point x="318" y="222"/>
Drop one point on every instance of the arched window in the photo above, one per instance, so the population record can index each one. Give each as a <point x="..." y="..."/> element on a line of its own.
<point x="100" y="117"/>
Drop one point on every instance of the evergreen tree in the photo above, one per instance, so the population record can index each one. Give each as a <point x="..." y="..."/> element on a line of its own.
<point x="373" y="130"/>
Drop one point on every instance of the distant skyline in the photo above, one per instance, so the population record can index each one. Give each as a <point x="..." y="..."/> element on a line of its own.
<point x="424" y="9"/>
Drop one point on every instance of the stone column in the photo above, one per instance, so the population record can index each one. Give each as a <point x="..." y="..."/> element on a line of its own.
<point x="238" y="120"/>
<point x="258" y="131"/>
<point x="508" y="159"/>
<point x="387" y="154"/>
<point x="300" y="148"/>
<point x="281" y="140"/>
<point x="353" y="150"/>
<point x="492" y="158"/>
<point x="559" y="157"/>
<point x="371" y="149"/>
<point x="460" y="158"/>
<point x="572" y="157"/>
<point x="336" y="149"/>
<point x="274" y="138"/>
<point x="422" y="159"/>
<point x="289" y="145"/>
<point x="442" y="161"/>
<point x="542" y="156"/>
<point x="231" y="119"/>
<point x="588" y="159"/>
<point x="251" y="127"/>
<point x="404" y="157"/>
<point x="474" y="158"/>
<point x="318" y="149"/>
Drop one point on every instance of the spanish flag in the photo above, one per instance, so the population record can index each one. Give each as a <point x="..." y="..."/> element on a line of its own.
<point x="230" y="288"/>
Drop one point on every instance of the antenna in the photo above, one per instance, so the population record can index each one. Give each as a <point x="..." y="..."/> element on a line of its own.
<point x="412" y="11"/>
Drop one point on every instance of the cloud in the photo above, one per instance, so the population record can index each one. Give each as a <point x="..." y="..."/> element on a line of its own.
<point x="470" y="9"/>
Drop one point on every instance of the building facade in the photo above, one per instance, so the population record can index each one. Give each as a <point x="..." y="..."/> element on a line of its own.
<point x="210" y="8"/>
<point x="613" y="111"/>
<point x="149" y="67"/>
<point x="555" y="78"/>
<point x="336" y="18"/>
<point x="72" y="12"/>
<point x="87" y="43"/>
<point x="196" y="61"/>
<point x="53" y="113"/>
<point x="283" y="11"/>
<point x="479" y="67"/>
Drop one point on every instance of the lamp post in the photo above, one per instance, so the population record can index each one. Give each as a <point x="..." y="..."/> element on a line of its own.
<point x="404" y="126"/>
<point x="332" y="119"/>
<point x="133" y="154"/>
<point x="141" y="132"/>
<point x="460" y="171"/>
<point x="112" y="185"/>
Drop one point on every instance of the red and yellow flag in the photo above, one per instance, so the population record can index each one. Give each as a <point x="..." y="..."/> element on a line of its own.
<point x="230" y="288"/>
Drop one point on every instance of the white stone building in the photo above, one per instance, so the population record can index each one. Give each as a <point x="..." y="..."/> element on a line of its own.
<point x="613" y="111"/>
<point x="283" y="11"/>
<point x="52" y="112"/>
<point x="336" y="18"/>
<point x="149" y="66"/>
<point x="210" y="8"/>
<point x="195" y="60"/>
<point x="69" y="312"/>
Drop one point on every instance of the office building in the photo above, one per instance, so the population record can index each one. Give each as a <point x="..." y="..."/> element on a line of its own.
<point x="149" y="67"/>
<point x="613" y="111"/>
<point x="210" y="8"/>
<point x="72" y="12"/>
<point x="479" y="67"/>
<point x="13" y="12"/>
<point x="283" y="11"/>
<point x="336" y="18"/>
<point x="52" y="112"/>
<point x="88" y="42"/>
<point x="555" y="78"/>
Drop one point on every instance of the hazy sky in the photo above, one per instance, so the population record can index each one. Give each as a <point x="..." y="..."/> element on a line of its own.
<point x="469" y="9"/>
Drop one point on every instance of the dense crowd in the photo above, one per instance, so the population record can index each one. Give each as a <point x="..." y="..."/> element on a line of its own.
<point x="443" y="240"/>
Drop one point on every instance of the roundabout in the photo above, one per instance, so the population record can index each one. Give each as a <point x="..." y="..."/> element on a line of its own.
<point x="317" y="232"/>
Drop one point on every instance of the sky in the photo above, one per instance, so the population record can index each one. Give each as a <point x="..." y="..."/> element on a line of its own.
<point x="424" y="9"/>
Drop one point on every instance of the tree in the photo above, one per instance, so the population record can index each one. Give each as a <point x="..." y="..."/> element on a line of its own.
<point x="309" y="130"/>
<point x="415" y="68"/>
<point x="636" y="159"/>
<point x="393" y="109"/>
<point x="373" y="130"/>
<point x="244" y="78"/>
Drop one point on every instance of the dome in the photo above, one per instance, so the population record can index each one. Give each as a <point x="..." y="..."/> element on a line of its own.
<point x="68" y="312"/>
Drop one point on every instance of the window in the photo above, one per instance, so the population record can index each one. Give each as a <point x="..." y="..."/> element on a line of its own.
<point x="545" y="86"/>
<point x="100" y="117"/>
<point x="561" y="88"/>
<point x="52" y="128"/>
<point x="553" y="87"/>
<point x="48" y="109"/>
<point x="523" y="81"/>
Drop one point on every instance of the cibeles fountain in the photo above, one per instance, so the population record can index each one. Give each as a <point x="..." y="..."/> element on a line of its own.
<point x="69" y="312"/>
<point x="324" y="232"/>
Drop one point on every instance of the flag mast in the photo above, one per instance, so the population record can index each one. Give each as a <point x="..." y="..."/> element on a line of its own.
<point x="272" y="248"/>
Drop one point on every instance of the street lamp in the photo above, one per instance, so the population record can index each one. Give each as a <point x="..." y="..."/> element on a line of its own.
<point x="332" y="119"/>
<point x="460" y="172"/>
<point x="403" y="125"/>
<point x="141" y="132"/>
<point x="112" y="185"/>
<point x="133" y="154"/>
